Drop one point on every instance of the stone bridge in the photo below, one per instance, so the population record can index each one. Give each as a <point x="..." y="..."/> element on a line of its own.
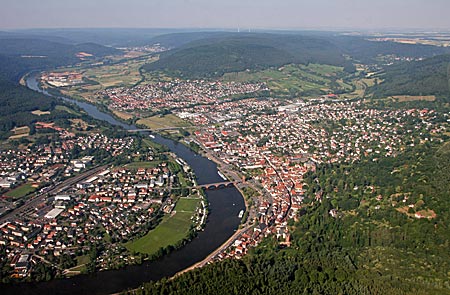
<point x="216" y="185"/>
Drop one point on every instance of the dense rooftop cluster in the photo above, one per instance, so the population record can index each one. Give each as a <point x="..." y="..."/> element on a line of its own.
<point x="279" y="147"/>
<point x="39" y="163"/>
<point x="112" y="205"/>
<point x="175" y="94"/>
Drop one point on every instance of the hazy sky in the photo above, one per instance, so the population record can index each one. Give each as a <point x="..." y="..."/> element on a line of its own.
<point x="225" y="14"/>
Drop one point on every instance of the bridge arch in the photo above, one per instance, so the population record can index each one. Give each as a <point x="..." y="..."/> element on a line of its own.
<point x="218" y="185"/>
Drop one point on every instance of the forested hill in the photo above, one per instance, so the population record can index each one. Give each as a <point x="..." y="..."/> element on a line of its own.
<point x="212" y="57"/>
<point x="427" y="77"/>
<point x="374" y="245"/>
<point x="211" y="54"/>
<point x="20" y="55"/>
<point x="176" y="40"/>
<point x="17" y="104"/>
<point x="361" y="49"/>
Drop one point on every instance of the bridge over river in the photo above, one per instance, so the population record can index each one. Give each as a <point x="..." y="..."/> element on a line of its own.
<point x="217" y="185"/>
<point x="154" y="130"/>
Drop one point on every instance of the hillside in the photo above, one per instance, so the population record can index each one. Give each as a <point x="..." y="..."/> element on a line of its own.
<point x="212" y="57"/>
<point x="21" y="55"/>
<point x="362" y="50"/>
<point x="211" y="54"/>
<point x="17" y="104"/>
<point x="179" y="39"/>
<point x="371" y="247"/>
<point x="18" y="56"/>
<point x="118" y="37"/>
<point x="427" y="77"/>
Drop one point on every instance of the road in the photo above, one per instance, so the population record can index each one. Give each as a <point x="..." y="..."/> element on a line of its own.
<point x="54" y="190"/>
<point x="216" y="252"/>
<point x="226" y="168"/>
<point x="236" y="177"/>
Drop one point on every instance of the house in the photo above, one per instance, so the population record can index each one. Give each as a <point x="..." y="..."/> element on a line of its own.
<point x="5" y="183"/>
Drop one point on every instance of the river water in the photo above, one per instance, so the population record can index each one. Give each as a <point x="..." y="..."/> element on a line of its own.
<point x="222" y="222"/>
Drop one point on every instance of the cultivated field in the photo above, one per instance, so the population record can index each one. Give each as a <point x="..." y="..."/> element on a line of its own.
<point x="40" y="113"/>
<point x="122" y="74"/>
<point x="296" y="79"/>
<point x="167" y="121"/>
<point x="404" y="98"/>
<point x="122" y="115"/>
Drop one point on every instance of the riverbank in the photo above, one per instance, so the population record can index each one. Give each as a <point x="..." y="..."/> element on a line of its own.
<point x="224" y="206"/>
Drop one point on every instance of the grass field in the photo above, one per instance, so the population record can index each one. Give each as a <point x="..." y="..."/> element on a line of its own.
<point x="21" y="191"/>
<point x="168" y="121"/>
<point x="295" y="79"/>
<point x="182" y="179"/>
<point x="360" y="88"/>
<point x="405" y="98"/>
<point x="155" y="146"/>
<point x="84" y="259"/>
<point x="40" y="113"/>
<point x="136" y="165"/>
<point x="122" y="115"/>
<point x="81" y="263"/>
<point x="123" y="74"/>
<point x="21" y="130"/>
<point x="66" y="109"/>
<point x="171" y="230"/>
<point x="156" y="76"/>
<point x="187" y="204"/>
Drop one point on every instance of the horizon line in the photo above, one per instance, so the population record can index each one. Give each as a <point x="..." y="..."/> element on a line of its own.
<point x="245" y="28"/>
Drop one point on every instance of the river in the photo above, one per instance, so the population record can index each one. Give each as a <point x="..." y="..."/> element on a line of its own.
<point x="222" y="222"/>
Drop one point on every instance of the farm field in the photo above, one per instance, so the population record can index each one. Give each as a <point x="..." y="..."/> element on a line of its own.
<point x="40" y="113"/>
<point x="404" y="98"/>
<point x="160" y="122"/>
<point x="122" y="74"/>
<point x="296" y="79"/>
<point x="122" y="115"/>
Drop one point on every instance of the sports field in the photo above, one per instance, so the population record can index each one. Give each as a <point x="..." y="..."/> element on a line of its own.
<point x="21" y="191"/>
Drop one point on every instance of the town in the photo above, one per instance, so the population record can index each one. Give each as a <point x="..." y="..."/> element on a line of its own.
<point x="275" y="143"/>
<point x="64" y="200"/>
<point x="175" y="94"/>
<point x="270" y="143"/>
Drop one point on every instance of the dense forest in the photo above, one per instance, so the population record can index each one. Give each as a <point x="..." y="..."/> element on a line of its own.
<point x="211" y="54"/>
<point x="372" y="245"/>
<point x="18" y="56"/>
<point x="17" y="104"/>
<point x="426" y="77"/>
<point x="116" y="37"/>
<point x="21" y="55"/>
<point x="214" y="56"/>
<point x="361" y="49"/>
